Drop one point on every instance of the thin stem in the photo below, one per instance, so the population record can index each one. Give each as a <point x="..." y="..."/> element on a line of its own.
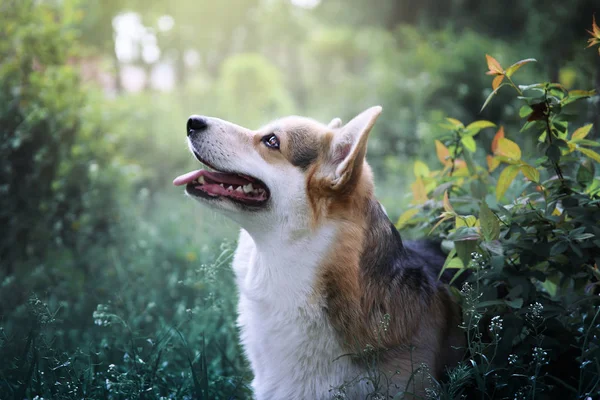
<point x="557" y="169"/>
<point x="453" y="158"/>
<point x="513" y="85"/>
<point x="585" y="344"/>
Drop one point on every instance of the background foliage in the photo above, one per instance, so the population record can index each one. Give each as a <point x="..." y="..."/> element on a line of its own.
<point x="113" y="285"/>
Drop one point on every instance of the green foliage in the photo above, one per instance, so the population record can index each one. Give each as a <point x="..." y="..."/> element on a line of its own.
<point x="100" y="295"/>
<point x="48" y="169"/>
<point x="251" y="89"/>
<point x="530" y="247"/>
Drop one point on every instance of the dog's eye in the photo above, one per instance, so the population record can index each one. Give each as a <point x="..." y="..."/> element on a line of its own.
<point x="271" y="141"/>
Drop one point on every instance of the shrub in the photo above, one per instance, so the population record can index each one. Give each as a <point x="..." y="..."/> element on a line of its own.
<point x="103" y="293"/>
<point x="50" y="184"/>
<point x="525" y="228"/>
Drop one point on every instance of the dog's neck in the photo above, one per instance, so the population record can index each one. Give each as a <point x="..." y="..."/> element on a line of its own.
<point x="288" y="259"/>
<point x="284" y="264"/>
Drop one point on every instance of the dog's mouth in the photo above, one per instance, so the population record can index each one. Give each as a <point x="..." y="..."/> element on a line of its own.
<point x="236" y="187"/>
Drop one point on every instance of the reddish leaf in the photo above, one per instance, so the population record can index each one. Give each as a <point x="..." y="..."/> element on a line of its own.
<point x="499" y="135"/>
<point x="446" y="203"/>
<point x="595" y="27"/>
<point x="442" y="152"/>
<point x="494" y="66"/>
<point x="497" y="81"/>
<point x="419" y="191"/>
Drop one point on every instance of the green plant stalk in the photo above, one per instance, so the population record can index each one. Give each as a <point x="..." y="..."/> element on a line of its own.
<point x="585" y="344"/>
<point x="557" y="169"/>
<point x="513" y="85"/>
<point x="456" y="152"/>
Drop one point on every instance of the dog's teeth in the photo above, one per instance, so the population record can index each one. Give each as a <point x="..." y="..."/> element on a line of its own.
<point x="230" y="188"/>
<point x="239" y="189"/>
<point x="248" y="188"/>
<point x="201" y="180"/>
<point x="220" y="184"/>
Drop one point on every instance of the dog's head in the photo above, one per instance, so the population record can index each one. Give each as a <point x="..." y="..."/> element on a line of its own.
<point x="293" y="171"/>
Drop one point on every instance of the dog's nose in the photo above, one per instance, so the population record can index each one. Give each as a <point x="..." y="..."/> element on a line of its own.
<point x="196" y="123"/>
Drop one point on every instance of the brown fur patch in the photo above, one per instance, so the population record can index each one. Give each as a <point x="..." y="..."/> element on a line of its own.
<point x="301" y="141"/>
<point x="362" y="286"/>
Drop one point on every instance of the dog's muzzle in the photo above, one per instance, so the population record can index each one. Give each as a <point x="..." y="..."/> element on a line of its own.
<point x="196" y="123"/>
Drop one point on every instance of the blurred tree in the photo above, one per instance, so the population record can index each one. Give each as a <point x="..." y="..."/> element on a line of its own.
<point x="97" y="33"/>
<point x="45" y="169"/>
<point x="250" y="90"/>
<point x="212" y="29"/>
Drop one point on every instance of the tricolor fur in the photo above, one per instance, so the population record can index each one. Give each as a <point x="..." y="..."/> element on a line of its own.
<point x="326" y="285"/>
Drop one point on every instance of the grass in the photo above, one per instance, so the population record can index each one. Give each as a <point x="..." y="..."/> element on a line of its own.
<point x="151" y="316"/>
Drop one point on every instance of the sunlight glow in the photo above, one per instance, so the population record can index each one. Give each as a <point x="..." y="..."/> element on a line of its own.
<point x="165" y="23"/>
<point x="306" y="3"/>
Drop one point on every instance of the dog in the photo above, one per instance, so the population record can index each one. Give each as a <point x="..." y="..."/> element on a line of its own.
<point x="328" y="291"/>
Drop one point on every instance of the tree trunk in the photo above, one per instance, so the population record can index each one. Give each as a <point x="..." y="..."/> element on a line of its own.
<point x="117" y="67"/>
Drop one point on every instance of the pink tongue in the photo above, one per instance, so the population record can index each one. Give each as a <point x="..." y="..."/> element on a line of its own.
<point x="187" y="178"/>
<point x="219" y="177"/>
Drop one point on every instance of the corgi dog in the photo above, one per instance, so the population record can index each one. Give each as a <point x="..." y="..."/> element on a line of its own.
<point x="328" y="291"/>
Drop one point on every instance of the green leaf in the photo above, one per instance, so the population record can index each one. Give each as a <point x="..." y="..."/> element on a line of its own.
<point x="513" y="68"/>
<point x="515" y="303"/>
<point x="464" y="233"/>
<point x="420" y="169"/>
<point x="505" y="179"/>
<point x="406" y="217"/>
<point x="449" y="259"/>
<point x="508" y="148"/>
<point x="525" y="111"/>
<point x="494" y="247"/>
<point x="587" y="142"/>
<point x="474" y="127"/>
<point x="490" y="226"/>
<point x="489" y="98"/>
<point x="455" y="263"/>
<point x="581" y="133"/>
<point x="553" y="153"/>
<point x="530" y="172"/>
<point x="590" y="153"/>
<point x="535" y="86"/>
<point x="469" y="143"/>
<point x="575" y="95"/>
<point x="490" y="303"/>
<point x="559" y="248"/>
<point x="464" y="248"/>
<point x="466" y="221"/>
<point x="456" y="123"/>
<point x="585" y="173"/>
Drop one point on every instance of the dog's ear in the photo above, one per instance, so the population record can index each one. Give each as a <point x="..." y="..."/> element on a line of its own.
<point x="349" y="147"/>
<point x="335" y="123"/>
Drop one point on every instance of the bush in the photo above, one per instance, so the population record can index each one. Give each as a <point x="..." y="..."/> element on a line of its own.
<point x="103" y="292"/>
<point x="531" y="305"/>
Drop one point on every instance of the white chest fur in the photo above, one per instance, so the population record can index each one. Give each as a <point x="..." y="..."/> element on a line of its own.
<point x="292" y="348"/>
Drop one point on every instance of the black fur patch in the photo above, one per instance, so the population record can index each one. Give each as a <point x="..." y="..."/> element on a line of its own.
<point x="303" y="148"/>
<point x="386" y="258"/>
